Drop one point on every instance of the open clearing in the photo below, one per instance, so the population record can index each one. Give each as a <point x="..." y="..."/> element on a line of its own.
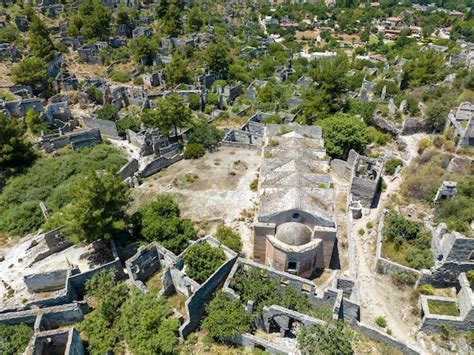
<point x="214" y="189"/>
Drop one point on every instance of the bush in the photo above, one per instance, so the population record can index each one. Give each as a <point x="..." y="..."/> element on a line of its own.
<point x="95" y="95"/>
<point x="14" y="338"/>
<point x="329" y="339"/>
<point x="361" y="232"/>
<point x="229" y="238"/>
<point x="119" y="76"/>
<point x="108" y="112"/>
<point x="424" y="144"/>
<point x="128" y="122"/>
<point x="254" y="185"/>
<point x="369" y="225"/>
<point x="202" y="260"/>
<point x="159" y="221"/>
<point x="381" y="322"/>
<point x="194" y="151"/>
<point x="205" y="134"/>
<point x="391" y="165"/>
<point x="226" y="318"/>
<point x="402" y="278"/>
<point x="49" y="180"/>
<point x="426" y="290"/>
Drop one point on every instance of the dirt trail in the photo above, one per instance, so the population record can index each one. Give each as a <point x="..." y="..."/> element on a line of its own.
<point x="378" y="295"/>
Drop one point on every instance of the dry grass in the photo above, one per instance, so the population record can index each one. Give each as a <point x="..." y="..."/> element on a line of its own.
<point x="154" y="283"/>
<point x="178" y="302"/>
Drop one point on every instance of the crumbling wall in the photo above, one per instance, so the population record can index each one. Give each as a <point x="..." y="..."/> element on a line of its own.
<point x="194" y="305"/>
<point x="143" y="265"/>
<point x="158" y="164"/>
<point x="249" y="340"/>
<point x="46" y="281"/>
<point x="107" y="128"/>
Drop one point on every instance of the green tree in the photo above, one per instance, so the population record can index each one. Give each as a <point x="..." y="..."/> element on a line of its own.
<point x="39" y="41"/>
<point x="316" y="106"/>
<point x="31" y="71"/>
<point x="437" y="114"/>
<point x="177" y="70"/>
<point x="194" y="151"/>
<point x="229" y="238"/>
<point x="92" y="21"/>
<point x="218" y="58"/>
<point x="108" y="112"/>
<point x="147" y="326"/>
<point x="195" y="19"/>
<point x="342" y="133"/>
<point x="34" y="122"/>
<point x="95" y="95"/>
<point x="171" y="21"/>
<point x="428" y="67"/>
<point x="159" y="221"/>
<point x="226" y="318"/>
<point x="330" y="73"/>
<point x="206" y="134"/>
<point x="15" y="151"/>
<point x="170" y="112"/>
<point x="14" y="338"/>
<point x="97" y="208"/>
<point x="9" y="34"/>
<point x="329" y="339"/>
<point x="202" y="259"/>
<point x="144" y="47"/>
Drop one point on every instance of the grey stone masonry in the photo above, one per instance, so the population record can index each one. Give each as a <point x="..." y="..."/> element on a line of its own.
<point x="46" y="281"/>
<point x="464" y="302"/>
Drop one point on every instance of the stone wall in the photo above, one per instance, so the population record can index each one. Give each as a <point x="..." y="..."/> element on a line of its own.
<point x="249" y="340"/>
<point x="382" y="336"/>
<point x="464" y="301"/>
<point x="46" y="281"/>
<point x="158" y="164"/>
<point x="74" y="345"/>
<point x="107" y="128"/>
<point x="194" y="305"/>
<point x="412" y="126"/>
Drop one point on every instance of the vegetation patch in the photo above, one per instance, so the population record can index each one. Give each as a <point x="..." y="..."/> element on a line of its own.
<point x="14" y="338"/>
<point x="406" y="242"/>
<point x="443" y="308"/>
<point x="202" y="260"/>
<point x="229" y="238"/>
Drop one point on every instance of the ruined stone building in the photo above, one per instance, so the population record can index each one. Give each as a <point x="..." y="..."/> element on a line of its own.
<point x="294" y="230"/>
<point x="463" y="123"/>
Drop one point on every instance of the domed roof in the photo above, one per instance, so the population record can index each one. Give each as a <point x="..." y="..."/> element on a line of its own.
<point x="293" y="233"/>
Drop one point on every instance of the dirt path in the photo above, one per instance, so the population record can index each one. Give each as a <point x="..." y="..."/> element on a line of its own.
<point x="378" y="295"/>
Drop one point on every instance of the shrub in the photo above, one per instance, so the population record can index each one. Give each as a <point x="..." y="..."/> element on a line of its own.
<point x="49" y="180"/>
<point x="254" y="185"/>
<point x="206" y="134"/>
<point x="381" y="322"/>
<point x="14" y="338"/>
<point x="159" y="221"/>
<point x="402" y="278"/>
<point x="119" y="76"/>
<point x="226" y="318"/>
<point x="369" y="225"/>
<point x="361" y="232"/>
<point x="95" y="95"/>
<point x="391" y="165"/>
<point x="194" y="151"/>
<point x="229" y="238"/>
<point x="329" y="339"/>
<point x="202" y="260"/>
<point x="426" y="290"/>
<point x="446" y="331"/>
<point x="108" y="112"/>
<point x="424" y="144"/>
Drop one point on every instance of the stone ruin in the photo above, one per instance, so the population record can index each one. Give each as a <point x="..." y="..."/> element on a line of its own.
<point x="463" y="302"/>
<point x="153" y="258"/>
<point x="77" y="139"/>
<point x="9" y="52"/>
<point x="446" y="190"/>
<point x="124" y="96"/>
<point x="453" y="254"/>
<point x="463" y="123"/>
<point x="364" y="175"/>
